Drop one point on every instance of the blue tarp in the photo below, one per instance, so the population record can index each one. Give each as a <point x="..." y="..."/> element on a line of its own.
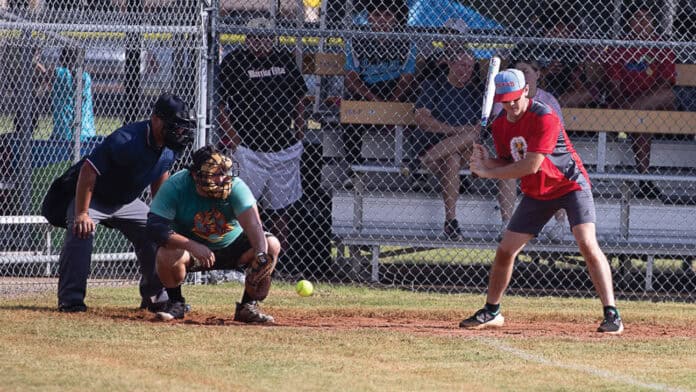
<point x="435" y="13"/>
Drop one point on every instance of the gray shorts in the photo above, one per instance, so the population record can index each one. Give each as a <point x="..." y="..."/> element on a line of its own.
<point x="532" y="214"/>
<point x="273" y="177"/>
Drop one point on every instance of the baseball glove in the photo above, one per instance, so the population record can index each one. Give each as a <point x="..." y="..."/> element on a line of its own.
<point x="258" y="276"/>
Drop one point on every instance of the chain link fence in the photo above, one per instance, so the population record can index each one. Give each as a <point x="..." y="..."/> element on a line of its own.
<point x="352" y="123"/>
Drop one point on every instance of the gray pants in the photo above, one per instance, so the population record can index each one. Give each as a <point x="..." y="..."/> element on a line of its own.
<point x="76" y="256"/>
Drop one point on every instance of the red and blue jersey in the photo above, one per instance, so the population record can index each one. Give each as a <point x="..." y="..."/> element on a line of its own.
<point x="539" y="130"/>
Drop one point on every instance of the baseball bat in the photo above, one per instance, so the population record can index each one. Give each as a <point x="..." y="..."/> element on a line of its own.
<point x="489" y="90"/>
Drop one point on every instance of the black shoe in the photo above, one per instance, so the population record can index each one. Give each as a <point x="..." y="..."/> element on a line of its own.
<point x="154" y="307"/>
<point x="452" y="230"/>
<point x="249" y="313"/>
<point x="483" y="319"/>
<point x="612" y="324"/>
<point x="173" y="310"/>
<point x="648" y="190"/>
<point x="72" y="308"/>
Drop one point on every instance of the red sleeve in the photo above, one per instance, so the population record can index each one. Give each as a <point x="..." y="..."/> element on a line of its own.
<point x="547" y="128"/>
<point x="668" y="69"/>
<point x="501" y="145"/>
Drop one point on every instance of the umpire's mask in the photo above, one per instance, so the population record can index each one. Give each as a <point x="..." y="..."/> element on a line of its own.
<point x="213" y="172"/>
<point x="179" y="124"/>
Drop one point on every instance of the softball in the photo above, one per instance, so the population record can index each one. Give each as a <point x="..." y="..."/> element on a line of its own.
<point x="304" y="288"/>
<point x="312" y="3"/>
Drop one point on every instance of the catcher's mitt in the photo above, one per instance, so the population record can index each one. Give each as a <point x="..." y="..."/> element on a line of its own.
<point x="258" y="276"/>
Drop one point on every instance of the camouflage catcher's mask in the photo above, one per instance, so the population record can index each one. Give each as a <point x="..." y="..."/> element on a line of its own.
<point x="215" y="176"/>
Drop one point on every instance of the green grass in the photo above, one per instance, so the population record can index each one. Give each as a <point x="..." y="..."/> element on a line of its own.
<point x="104" y="125"/>
<point x="106" y="350"/>
<point x="468" y="256"/>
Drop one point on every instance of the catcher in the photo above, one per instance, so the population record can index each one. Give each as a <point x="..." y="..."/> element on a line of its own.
<point x="205" y="218"/>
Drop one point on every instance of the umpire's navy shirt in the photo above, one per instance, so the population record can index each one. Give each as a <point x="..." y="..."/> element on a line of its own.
<point x="127" y="162"/>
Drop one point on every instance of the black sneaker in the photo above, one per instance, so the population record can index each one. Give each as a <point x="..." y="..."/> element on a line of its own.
<point x="72" y="308"/>
<point x="452" y="230"/>
<point x="483" y="319"/>
<point x="250" y="313"/>
<point x="154" y="307"/>
<point x="173" y="310"/>
<point x="612" y="324"/>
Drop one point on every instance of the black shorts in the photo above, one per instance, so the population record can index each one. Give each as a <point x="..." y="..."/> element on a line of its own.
<point x="532" y="214"/>
<point x="228" y="257"/>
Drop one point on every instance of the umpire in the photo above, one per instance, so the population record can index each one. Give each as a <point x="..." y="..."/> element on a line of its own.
<point x="106" y="191"/>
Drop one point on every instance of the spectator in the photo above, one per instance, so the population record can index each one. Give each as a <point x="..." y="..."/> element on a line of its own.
<point x="106" y="191"/>
<point x="563" y="74"/>
<point x="262" y="91"/>
<point x="13" y="87"/>
<point x="589" y="86"/>
<point x="641" y="78"/>
<point x="447" y="114"/>
<point x="205" y="218"/>
<point x="685" y="30"/>
<point x="531" y="144"/>
<point x="507" y="188"/>
<point x="63" y="98"/>
<point x="560" y="61"/>
<point x="377" y="69"/>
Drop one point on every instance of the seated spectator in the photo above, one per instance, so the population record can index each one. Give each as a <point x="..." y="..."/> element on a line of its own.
<point x="589" y="82"/>
<point x="641" y="78"/>
<point x="559" y="62"/>
<point x="567" y="71"/>
<point x="507" y="189"/>
<point x="63" y="99"/>
<point x="377" y="69"/>
<point x="685" y="30"/>
<point x="447" y="114"/>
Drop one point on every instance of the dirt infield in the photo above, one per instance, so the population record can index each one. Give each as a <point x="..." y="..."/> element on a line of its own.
<point x="581" y="330"/>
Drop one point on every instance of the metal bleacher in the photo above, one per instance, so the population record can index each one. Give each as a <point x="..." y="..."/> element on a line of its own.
<point x="382" y="209"/>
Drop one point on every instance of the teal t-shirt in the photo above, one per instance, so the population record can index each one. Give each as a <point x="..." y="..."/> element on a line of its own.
<point x="212" y="222"/>
<point x="64" y="106"/>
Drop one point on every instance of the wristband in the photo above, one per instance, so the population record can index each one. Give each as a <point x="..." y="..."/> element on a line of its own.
<point x="262" y="258"/>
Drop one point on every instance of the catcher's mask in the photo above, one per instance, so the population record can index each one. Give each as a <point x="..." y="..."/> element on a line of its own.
<point x="179" y="124"/>
<point x="213" y="172"/>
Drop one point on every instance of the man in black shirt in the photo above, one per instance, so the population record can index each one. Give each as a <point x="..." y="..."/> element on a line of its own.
<point x="261" y="115"/>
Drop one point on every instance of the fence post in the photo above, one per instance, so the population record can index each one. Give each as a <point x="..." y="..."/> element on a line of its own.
<point x="201" y="90"/>
<point x="77" y="101"/>
<point x="131" y="77"/>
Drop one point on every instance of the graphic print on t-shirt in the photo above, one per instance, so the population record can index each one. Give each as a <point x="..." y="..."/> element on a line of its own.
<point x="211" y="225"/>
<point x="262" y="73"/>
<point x="518" y="148"/>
